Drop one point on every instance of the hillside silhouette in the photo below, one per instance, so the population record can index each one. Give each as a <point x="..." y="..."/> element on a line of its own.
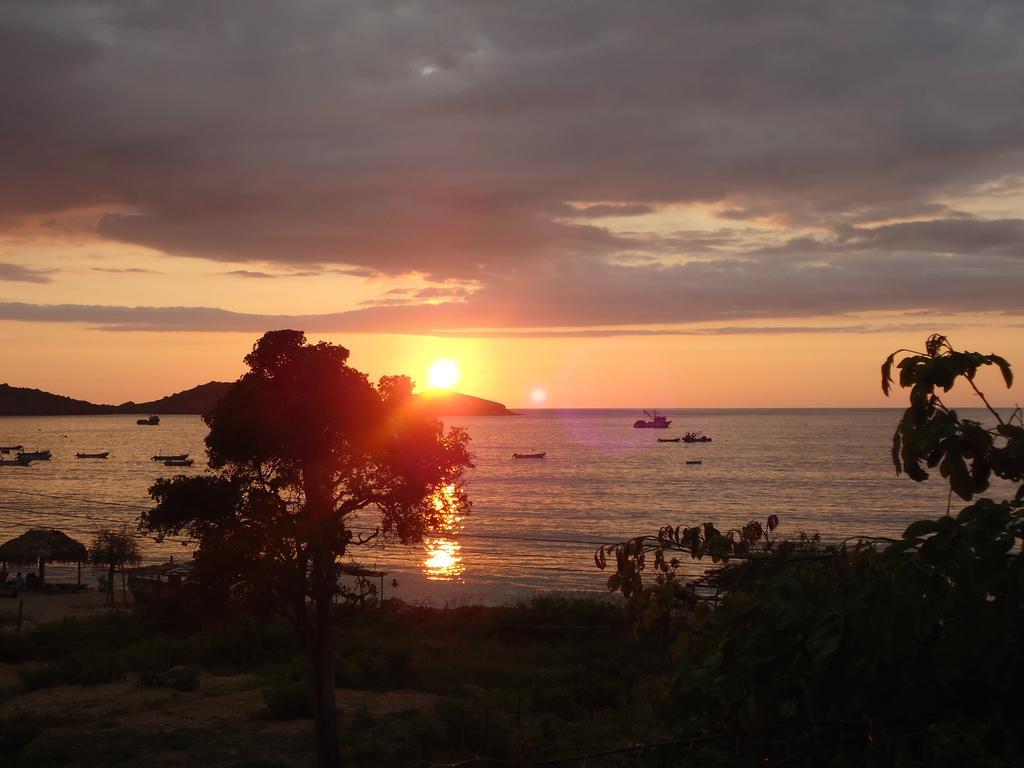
<point x="23" y="401"/>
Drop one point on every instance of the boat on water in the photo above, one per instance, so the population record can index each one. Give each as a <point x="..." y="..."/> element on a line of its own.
<point x="101" y="455"/>
<point x="668" y="439"/>
<point x="654" y="421"/>
<point x="18" y="462"/>
<point x="696" y="437"/>
<point x="10" y="448"/>
<point x="170" y="457"/>
<point x="694" y="461"/>
<point x="35" y="455"/>
<point x="179" y="462"/>
<point x="152" y="421"/>
<point x="528" y="455"/>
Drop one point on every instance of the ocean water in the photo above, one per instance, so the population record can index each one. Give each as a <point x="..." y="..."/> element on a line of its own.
<point x="534" y="523"/>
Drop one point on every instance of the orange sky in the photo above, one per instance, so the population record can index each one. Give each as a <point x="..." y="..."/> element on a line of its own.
<point x="656" y="205"/>
<point x="731" y="371"/>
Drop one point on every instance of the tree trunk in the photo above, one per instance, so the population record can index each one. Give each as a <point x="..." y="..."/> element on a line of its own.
<point x="321" y="659"/>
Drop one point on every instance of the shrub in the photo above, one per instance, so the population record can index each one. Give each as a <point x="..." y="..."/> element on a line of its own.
<point x="287" y="698"/>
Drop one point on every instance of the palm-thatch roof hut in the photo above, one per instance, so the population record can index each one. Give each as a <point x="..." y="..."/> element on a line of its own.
<point x="43" y="545"/>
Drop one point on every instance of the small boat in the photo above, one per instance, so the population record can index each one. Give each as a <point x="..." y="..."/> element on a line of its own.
<point x="694" y="461"/>
<point x="18" y="462"/>
<point x="10" y="448"/>
<point x="668" y="439"/>
<point x="35" y="455"/>
<point x="102" y="455"/>
<point x="655" y="421"/>
<point x="170" y="457"/>
<point x="152" y="421"/>
<point x="696" y="437"/>
<point x="528" y="455"/>
<point x="179" y="462"/>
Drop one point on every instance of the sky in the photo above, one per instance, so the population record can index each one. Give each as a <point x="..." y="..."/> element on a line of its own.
<point x="694" y="204"/>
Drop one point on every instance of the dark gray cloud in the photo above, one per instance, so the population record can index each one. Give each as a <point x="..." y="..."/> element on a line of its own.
<point x="601" y="210"/>
<point x="573" y="295"/>
<point x="484" y="141"/>
<point x="16" y="273"/>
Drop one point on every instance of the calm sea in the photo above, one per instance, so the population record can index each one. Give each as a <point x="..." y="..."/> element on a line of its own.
<point x="535" y="523"/>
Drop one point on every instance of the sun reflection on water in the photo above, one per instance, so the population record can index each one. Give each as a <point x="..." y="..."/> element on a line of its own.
<point x="443" y="555"/>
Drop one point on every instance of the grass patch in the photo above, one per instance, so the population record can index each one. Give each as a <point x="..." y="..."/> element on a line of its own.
<point x="537" y="679"/>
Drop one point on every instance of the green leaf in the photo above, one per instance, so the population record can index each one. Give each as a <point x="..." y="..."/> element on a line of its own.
<point x="1004" y="368"/>
<point x="919" y="529"/>
<point x="960" y="477"/>
<point x="887" y="374"/>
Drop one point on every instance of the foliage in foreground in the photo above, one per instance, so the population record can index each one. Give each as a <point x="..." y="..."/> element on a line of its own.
<point x="866" y="652"/>
<point x="544" y="678"/>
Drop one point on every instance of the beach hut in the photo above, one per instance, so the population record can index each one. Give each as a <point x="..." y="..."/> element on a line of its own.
<point x="42" y="546"/>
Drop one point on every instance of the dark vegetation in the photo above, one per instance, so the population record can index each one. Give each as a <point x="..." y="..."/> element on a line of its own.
<point x="866" y="652"/>
<point x="22" y="401"/>
<point x="544" y="678"/>
<point x="792" y="652"/>
<point x="114" y="548"/>
<point x="302" y="445"/>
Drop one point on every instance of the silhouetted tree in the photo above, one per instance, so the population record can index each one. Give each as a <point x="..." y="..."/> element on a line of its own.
<point x="114" y="548"/>
<point x="304" y="445"/>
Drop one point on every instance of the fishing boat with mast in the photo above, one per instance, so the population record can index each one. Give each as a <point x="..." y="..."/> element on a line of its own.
<point x="654" y="421"/>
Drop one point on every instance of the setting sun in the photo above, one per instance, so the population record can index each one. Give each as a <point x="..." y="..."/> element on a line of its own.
<point x="444" y="374"/>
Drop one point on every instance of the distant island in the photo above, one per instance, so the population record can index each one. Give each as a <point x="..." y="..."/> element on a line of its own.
<point x="22" y="401"/>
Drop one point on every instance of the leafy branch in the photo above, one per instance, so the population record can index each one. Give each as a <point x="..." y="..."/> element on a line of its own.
<point x="931" y="434"/>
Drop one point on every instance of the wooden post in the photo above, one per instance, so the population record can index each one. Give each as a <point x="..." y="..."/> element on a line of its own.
<point x="79" y="573"/>
<point x="42" y="571"/>
<point x="124" y="590"/>
<point x="21" y="608"/>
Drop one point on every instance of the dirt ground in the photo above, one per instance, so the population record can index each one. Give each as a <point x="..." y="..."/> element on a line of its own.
<point x="225" y="710"/>
<point x="43" y="607"/>
<point x="219" y="698"/>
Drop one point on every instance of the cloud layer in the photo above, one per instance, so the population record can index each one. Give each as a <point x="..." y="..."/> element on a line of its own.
<point x="516" y="147"/>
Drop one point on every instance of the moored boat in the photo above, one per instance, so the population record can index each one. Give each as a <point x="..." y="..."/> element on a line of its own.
<point x="10" y="448"/>
<point x="101" y="455"/>
<point x="35" y="455"/>
<point x="696" y="437"/>
<point x="18" y="462"/>
<point x="179" y="462"/>
<point x="528" y="455"/>
<point x="654" y="421"/>
<point x="668" y="439"/>
<point x="694" y="461"/>
<point x="170" y="457"/>
<point x="152" y="421"/>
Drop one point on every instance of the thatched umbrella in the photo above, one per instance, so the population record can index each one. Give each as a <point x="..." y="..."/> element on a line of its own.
<point x="43" y="545"/>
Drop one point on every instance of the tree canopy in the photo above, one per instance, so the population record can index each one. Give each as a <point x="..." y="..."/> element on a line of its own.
<point x="311" y="461"/>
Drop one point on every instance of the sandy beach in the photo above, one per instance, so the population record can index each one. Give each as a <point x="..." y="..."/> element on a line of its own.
<point x="42" y="607"/>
